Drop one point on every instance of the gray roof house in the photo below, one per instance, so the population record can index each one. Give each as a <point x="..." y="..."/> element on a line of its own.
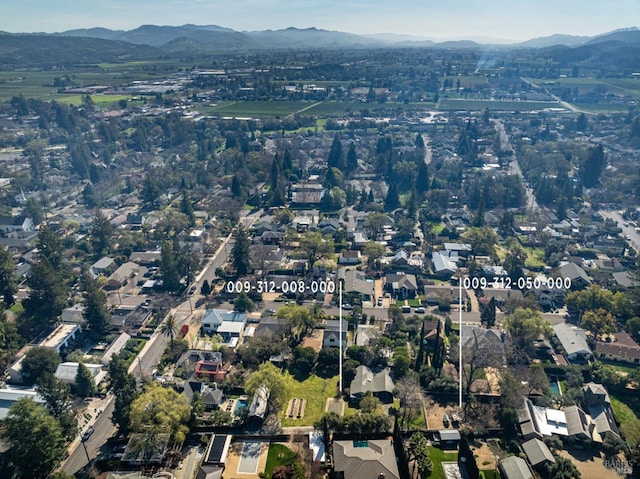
<point x="574" y="342"/>
<point x="537" y="452"/>
<point x="579" y="423"/>
<point x="515" y="467"/>
<point x="356" y="282"/>
<point x="380" y="383"/>
<point x="213" y="319"/>
<point x="260" y="403"/>
<point x="579" y="278"/>
<point x="401" y="285"/>
<point x="442" y="265"/>
<point x="365" y="459"/>
<point x="598" y="403"/>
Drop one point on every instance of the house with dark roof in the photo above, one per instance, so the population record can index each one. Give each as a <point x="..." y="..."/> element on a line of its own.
<point x="623" y="349"/>
<point x="374" y="458"/>
<point x="350" y="257"/>
<point x="578" y="277"/>
<point x="401" y="285"/>
<point x="22" y="223"/>
<point x="379" y="384"/>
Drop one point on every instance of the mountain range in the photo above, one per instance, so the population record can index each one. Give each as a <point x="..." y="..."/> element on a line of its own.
<point x="96" y="45"/>
<point x="206" y="37"/>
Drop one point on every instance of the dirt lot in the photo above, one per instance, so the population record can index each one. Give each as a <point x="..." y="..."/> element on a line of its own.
<point x="595" y="464"/>
<point x="233" y="460"/>
<point x="485" y="459"/>
<point x="435" y="411"/>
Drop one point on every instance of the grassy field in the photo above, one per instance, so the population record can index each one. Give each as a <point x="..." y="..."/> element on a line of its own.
<point x="626" y="408"/>
<point x="259" y="108"/>
<point x="535" y="258"/>
<point x="480" y="105"/>
<point x="278" y="455"/>
<point x="438" y="456"/>
<point x="315" y="390"/>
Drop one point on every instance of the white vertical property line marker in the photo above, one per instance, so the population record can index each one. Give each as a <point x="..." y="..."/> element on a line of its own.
<point x="340" y="339"/>
<point x="460" y="345"/>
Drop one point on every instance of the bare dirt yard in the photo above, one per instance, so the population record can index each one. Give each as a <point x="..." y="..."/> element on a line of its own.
<point x="595" y="464"/>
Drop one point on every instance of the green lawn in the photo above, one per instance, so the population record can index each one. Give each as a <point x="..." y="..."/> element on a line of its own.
<point x="481" y="105"/>
<point x="315" y="390"/>
<point x="438" y="456"/>
<point x="278" y="455"/>
<point x="626" y="408"/>
<point x="535" y="257"/>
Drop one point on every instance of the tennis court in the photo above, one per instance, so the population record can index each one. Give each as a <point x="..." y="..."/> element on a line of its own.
<point x="249" y="457"/>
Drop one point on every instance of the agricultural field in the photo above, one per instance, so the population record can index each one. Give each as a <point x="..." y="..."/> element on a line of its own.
<point x="500" y="105"/>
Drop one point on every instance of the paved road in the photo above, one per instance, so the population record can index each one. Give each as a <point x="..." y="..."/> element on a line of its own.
<point x="629" y="231"/>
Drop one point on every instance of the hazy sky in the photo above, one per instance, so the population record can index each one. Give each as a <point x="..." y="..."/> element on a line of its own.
<point x="502" y="19"/>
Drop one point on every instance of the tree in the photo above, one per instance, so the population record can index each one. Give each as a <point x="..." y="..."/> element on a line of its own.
<point x="7" y="276"/>
<point x="314" y="247"/>
<point x="392" y="200"/>
<point x="419" y="448"/>
<point x="57" y="398"/>
<point x="101" y="234"/>
<point x="169" y="267"/>
<point x="270" y="377"/>
<point x="409" y="393"/>
<point x="593" y="166"/>
<point x="169" y="328"/>
<point x="186" y="208"/>
<point x="563" y="469"/>
<point x="33" y="437"/>
<point x="304" y="359"/>
<point x="47" y="297"/>
<point x="10" y="340"/>
<point x="514" y="262"/>
<point x="599" y="322"/>
<point x="327" y="364"/>
<point x="482" y="239"/>
<point x="161" y="410"/>
<point x="205" y="290"/>
<point x="38" y="361"/>
<point x="488" y="315"/>
<point x="633" y="328"/>
<point x="95" y="311"/>
<point x="243" y="303"/>
<point x="85" y="385"/>
<point x="240" y="256"/>
<point x="123" y="386"/>
<point x="369" y="403"/>
<point x="352" y="159"/>
<point x="526" y="326"/>
<point x="299" y="322"/>
<point x="373" y="251"/>
<point x="334" y="160"/>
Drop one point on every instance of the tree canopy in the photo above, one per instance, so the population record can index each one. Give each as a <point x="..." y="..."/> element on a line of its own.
<point x="33" y="437"/>
<point x="162" y="410"/>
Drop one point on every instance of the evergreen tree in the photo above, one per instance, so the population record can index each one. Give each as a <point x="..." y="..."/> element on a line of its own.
<point x="205" y="290"/>
<point x="392" y="201"/>
<point x="187" y="209"/>
<point x="123" y="386"/>
<point x="488" y="315"/>
<point x="38" y="361"/>
<point x="236" y="189"/>
<point x="47" y="297"/>
<point x="7" y="276"/>
<point x="85" y="386"/>
<point x="169" y="267"/>
<point x="352" y="159"/>
<point x="593" y="166"/>
<point x="422" y="179"/>
<point x="335" y="153"/>
<point x="101" y="233"/>
<point x="96" y="312"/>
<point x="240" y="256"/>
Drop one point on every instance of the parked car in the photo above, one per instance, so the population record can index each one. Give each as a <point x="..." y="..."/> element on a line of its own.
<point x="87" y="434"/>
<point x="420" y="310"/>
<point x="379" y="300"/>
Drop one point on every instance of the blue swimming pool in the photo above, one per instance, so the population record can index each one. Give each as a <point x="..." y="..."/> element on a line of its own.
<point x="240" y="405"/>
<point x="554" y="385"/>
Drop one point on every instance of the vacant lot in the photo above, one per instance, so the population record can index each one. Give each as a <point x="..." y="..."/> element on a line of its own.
<point x="626" y="408"/>
<point x="315" y="390"/>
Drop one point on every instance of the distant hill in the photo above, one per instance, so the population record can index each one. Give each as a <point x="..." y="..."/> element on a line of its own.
<point x="310" y="38"/>
<point x="558" y="39"/>
<point x="630" y="35"/>
<point x="48" y="51"/>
